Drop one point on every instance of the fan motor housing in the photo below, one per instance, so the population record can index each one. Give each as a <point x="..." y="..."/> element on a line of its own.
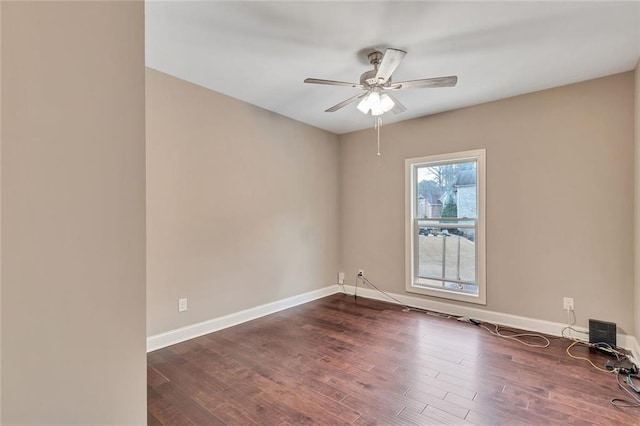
<point x="368" y="78"/>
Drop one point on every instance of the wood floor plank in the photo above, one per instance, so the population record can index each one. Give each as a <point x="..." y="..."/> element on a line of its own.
<point x="463" y="389"/>
<point x="440" y="403"/>
<point x="442" y="417"/>
<point x="187" y="405"/>
<point x="165" y="410"/>
<point x="339" y="360"/>
<point x="372" y="414"/>
<point x="154" y="377"/>
<point x="188" y="376"/>
<point x="153" y="420"/>
<point x="254" y="405"/>
<point x="415" y="418"/>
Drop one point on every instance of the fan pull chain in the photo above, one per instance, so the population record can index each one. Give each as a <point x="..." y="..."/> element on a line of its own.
<point x="377" y="125"/>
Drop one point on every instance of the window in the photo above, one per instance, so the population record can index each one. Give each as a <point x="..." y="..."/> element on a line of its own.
<point x="445" y="226"/>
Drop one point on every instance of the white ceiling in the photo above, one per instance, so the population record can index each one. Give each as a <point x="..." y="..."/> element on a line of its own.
<point x="260" y="52"/>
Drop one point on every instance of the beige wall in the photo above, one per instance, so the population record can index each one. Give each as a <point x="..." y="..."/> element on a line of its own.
<point x="559" y="198"/>
<point x="242" y="205"/>
<point x="0" y="213"/>
<point x="73" y="213"/>
<point x="637" y="201"/>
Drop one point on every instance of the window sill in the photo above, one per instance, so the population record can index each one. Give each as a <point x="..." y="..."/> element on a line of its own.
<point x="444" y="293"/>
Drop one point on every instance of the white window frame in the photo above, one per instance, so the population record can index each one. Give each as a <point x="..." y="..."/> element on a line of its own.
<point x="411" y="186"/>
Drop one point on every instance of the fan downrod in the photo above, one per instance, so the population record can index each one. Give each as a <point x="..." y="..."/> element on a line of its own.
<point x="368" y="78"/>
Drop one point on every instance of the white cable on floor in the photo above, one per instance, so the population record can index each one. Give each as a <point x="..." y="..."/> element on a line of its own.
<point x="517" y="336"/>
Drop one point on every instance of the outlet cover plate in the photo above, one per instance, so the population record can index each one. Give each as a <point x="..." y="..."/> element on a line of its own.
<point x="567" y="303"/>
<point x="182" y="305"/>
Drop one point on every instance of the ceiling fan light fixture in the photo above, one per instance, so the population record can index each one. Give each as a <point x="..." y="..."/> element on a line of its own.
<point x="363" y="106"/>
<point x="377" y="80"/>
<point x="374" y="98"/>
<point x="386" y="103"/>
<point x="375" y="102"/>
<point x="377" y="111"/>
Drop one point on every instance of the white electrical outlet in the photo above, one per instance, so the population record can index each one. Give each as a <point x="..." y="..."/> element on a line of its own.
<point x="340" y="277"/>
<point x="361" y="272"/>
<point x="567" y="303"/>
<point x="182" y="305"/>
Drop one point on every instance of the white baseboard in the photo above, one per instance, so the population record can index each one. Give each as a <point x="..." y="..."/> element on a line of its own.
<point x="524" y="323"/>
<point x="635" y="348"/>
<point x="196" y="330"/>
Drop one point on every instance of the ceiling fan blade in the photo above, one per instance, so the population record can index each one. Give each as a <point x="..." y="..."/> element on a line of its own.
<point x="397" y="107"/>
<point x="346" y="102"/>
<point x="389" y="63"/>
<point x="332" y="82"/>
<point x="449" y="81"/>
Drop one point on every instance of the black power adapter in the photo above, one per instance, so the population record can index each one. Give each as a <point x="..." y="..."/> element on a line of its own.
<point x="623" y="367"/>
<point x="602" y="333"/>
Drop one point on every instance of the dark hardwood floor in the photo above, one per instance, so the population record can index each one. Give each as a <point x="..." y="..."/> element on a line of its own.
<point x="341" y="361"/>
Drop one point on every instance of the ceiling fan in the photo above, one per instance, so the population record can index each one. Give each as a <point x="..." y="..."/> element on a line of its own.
<point x="377" y="84"/>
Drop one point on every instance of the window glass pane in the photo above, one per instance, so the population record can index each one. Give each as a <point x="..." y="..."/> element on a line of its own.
<point x="446" y="190"/>
<point x="449" y="256"/>
<point x="446" y="246"/>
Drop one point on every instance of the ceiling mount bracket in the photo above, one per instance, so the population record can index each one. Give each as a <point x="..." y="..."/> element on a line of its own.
<point x="375" y="58"/>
